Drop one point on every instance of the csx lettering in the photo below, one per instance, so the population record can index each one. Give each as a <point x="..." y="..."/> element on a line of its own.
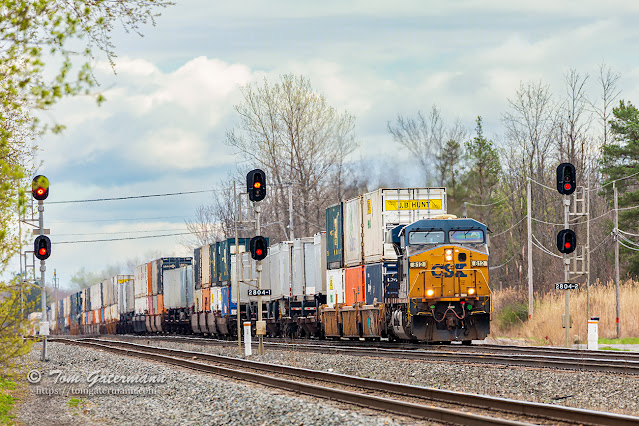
<point x="448" y="270"/>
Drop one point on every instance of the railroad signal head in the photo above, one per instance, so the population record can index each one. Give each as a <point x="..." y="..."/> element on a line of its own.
<point x="566" y="241"/>
<point x="259" y="247"/>
<point x="256" y="185"/>
<point x="566" y="178"/>
<point x="40" y="187"/>
<point x="42" y="247"/>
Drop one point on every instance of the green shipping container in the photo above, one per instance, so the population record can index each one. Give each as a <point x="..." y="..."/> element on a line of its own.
<point x="334" y="237"/>
<point x="224" y="258"/>
<point x="215" y="273"/>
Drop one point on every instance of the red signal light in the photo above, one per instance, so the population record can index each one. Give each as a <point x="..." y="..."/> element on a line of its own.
<point x="40" y="191"/>
<point x="42" y="251"/>
<point x="567" y="245"/>
<point x="258" y="252"/>
<point x="567" y="187"/>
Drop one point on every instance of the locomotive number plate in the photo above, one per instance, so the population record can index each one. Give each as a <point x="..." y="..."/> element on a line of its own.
<point x="479" y="263"/>
<point x="418" y="264"/>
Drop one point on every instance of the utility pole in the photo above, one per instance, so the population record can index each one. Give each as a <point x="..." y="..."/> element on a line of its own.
<point x="44" y="329"/>
<point x="260" y="348"/>
<point x="616" y="231"/>
<point x="587" y="252"/>
<point x="290" y="211"/>
<point x="237" y="270"/>
<point x="530" y="256"/>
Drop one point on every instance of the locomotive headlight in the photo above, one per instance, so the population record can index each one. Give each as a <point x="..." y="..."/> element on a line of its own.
<point x="430" y="292"/>
<point x="449" y="255"/>
<point x="470" y="291"/>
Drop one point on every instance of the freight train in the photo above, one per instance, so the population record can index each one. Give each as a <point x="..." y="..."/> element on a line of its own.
<point x="391" y="264"/>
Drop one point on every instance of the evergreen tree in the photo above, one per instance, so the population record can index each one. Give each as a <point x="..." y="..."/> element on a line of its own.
<point x="450" y="169"/>
<point x="483" y="173"/>
<point x="621" y="159"/>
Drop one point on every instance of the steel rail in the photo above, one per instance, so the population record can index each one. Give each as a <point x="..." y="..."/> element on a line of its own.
<point x="537" y="410"/>
<point x="376" y="403"/>
<point x="606" y="365"/>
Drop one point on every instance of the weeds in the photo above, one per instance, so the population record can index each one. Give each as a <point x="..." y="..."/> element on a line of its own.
<point x="6" y="401"/>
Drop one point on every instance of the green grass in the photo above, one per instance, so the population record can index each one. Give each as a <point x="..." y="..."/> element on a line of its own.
<point x="512" y="315"/>
<point x="610" y="348"/>
<point x="6" y="401"/>
<point x="74" y="402"/>
<point x="624" y="341"/>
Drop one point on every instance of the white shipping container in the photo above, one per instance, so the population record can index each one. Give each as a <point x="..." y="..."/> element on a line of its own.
<point x="67" y="306"/>
<point x="125" y="284"/>
<point x="198" y="301"/>
<point x="335" y="284"/>
<point x="141" y="305"/>
<point x="107" y="292"/>
<point x="300" y="276"/>
<point x="248" y="271"/>
<point x="352" y="225"/>
<point x="205" y="265"/>
<point x="280" y="269"/>
<point x="178" y="287"/>
<point x="140" y="281"/>
<point x="319" y="244"/>
<point x="216" y="298"/>
<point x="96" y="297"/>
<point x="386" y="208"/>
<point x="154" y="277"/>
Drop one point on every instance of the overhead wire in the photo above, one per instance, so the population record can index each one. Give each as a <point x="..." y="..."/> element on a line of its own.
<point x="133" y="197"/>
<point x="503" y="232"/>
<point x="503" y="264"/>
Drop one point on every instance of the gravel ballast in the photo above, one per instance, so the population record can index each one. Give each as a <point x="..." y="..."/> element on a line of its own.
<point x="607" y="392"/>
<point x="178" y="396"/>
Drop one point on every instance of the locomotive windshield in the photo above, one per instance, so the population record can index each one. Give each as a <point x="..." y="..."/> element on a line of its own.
<point x="426" y="237"/>
<point x="471" y="236"/>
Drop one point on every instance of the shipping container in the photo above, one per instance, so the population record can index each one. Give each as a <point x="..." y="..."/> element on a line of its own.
<point x="205" y="253"/>
<point x="149" y="279"/>
<point x="381" y="282"/>
<point x="280" y="269"/>
<point x="301" y="277"/>
<point x="386" y="208"/>
<point x="215" y="274"/>
<point x="197" y="268"/>
<point x="352" y="225"/>
<point x="149" y="301"/>
<point x="226" y="250"/>
<point x="248" y="272"/>
<point x="216" y="298"/>
<point x="125" y="284"/>
<point x="334" y="237"/>
<point x="178" y="287"/>
<point x="96" y="296"/>
<point x="198" y="300"/>
<point x="87" y="300"/>
<point x="141" y="305"/>
<point x="335" y="287"/>
<point x="140" y="280"/>
<point x="229" y="307"/>
<point x="206" y="299"/>
<point x="315" y="265"/>
<point x="354" y="285"/>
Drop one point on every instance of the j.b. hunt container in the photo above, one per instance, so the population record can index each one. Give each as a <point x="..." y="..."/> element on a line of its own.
<point x="384" y="209"/>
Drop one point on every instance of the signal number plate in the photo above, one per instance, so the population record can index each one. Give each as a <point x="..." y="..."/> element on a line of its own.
<point x="417" y="264"/>
<point x="479" y="263"/>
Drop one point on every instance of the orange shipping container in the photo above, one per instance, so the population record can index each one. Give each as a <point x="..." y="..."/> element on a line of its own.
<point x="206" y="299"/>
<point x="160" y="303"/>
<point x="354" y="285"/>
<point x="149" y="274"/>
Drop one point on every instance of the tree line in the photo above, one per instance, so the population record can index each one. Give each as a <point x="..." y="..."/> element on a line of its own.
<point x="305" y="146"/>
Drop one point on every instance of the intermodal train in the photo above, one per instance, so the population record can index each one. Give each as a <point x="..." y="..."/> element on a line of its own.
<point x="391" y="264"/>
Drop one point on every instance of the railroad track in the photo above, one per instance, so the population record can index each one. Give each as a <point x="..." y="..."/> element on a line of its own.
<point x="568" y="359"/>
<point x="401" y="399"/>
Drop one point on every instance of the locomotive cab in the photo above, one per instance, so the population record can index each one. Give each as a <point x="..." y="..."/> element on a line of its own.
<point x="443" y="273"/>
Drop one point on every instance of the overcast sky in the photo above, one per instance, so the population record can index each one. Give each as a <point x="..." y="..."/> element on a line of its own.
<point x="163" y="126"/>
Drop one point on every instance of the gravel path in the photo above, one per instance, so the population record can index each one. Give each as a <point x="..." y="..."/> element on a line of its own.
<point x="178" y="396"/>
<point x="589" y="390"/>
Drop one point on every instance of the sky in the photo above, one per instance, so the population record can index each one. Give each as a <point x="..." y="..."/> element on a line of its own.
<point x="170" y="103"/>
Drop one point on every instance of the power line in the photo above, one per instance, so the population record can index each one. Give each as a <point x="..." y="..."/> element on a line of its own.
<point x="501" y="233"/>
<point x="503" y="264"/>
<point x="122" y="239"/>
<point x="118" y="232"/>
<point x="487" y="205"/>
<point x="120" y="220"/>
<point x="133" y="197"/>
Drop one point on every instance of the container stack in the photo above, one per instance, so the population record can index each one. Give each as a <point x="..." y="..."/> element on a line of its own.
<point x="361" y="266"/>
<point x="140" y="289"/>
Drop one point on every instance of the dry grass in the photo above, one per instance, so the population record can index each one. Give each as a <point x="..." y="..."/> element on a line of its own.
<point x="545" y="327"/>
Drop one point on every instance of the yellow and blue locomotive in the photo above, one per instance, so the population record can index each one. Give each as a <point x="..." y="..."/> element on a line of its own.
<point x="443" y="280"/>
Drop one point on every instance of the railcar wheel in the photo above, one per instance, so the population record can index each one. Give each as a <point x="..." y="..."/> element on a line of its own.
<point x="467" y="342"/>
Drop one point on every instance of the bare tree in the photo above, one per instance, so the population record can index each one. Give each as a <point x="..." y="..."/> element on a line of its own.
<point x="574" y="121"/>
<point x="424" y="137"/>
<point x="290" y="131"/>
<point x="609" y="94"/>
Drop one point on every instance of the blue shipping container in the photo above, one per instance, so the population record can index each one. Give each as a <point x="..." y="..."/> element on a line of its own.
<point x="227" y="302"/>
<point x="381" y="282"/>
